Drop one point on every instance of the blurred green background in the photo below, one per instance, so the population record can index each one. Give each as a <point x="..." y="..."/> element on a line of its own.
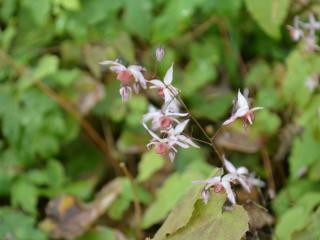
<point x="63" y="126"/>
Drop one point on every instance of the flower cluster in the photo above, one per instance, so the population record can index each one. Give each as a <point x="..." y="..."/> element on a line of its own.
<point x="223" y="184"/>
<point x="166" y="121"/>
<point x="167" y="124"/>
<point x="305" y="31"/>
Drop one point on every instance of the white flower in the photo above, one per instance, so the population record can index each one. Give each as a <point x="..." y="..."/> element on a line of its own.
<point x="242" y="110"/>
<point x="130" y="77"/>
<point x="238" y="174"/>
<point x="295" y="31"/>
<point x="219" y="185"/>
<point x="167" y="146"/>
<point x="165" y="88"/>
<point x="162" y="119"/>
<point x="312" y="82"/>
<point x="312" y="25"/>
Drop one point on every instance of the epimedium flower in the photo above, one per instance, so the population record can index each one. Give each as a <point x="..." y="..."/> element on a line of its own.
<point x="217" y="184"/>
<point x="295" y="31"/>
<point x="238" y="174"/>
<point x="165" y="88"/>
<point x="173" y="138"/>
<point x="162" y="119"/>
<point x="131" y="77"/>
<point x="242" y="110"/>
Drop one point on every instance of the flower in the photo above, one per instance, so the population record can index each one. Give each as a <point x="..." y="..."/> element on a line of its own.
<point x="219" y="185"/>
<point x="312" y="82"/>
<point x="295" y="31"/>
<point x="162" y="119"/>
<point x="238" y="174"/>
<point x="242" y="110"/>
<point x="130" y="77"/>
<point x="165" y="88"/>
<point x="159" y="53"/>
<point x="173" y="137"/>
<point x="312" y="25"/>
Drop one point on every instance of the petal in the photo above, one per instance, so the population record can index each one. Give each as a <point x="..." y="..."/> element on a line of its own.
<point x="188" y="141"/>
<point x="169" y="75"/>
<point x="255" y="109"/>
<point x="229" y="166"/>
<point x="242" y="171"/>
<point x="244" y="184"/>
<point x="157" y="83"/>
<point x="242" y="101"/>
<point x="230" y="120"/>
<point x="230" y="193"/>
<point x="180" y="127"/>
<point x="155" y="136"/>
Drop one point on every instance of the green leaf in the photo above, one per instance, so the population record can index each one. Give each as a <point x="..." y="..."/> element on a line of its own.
<point x="167" y="196"/>
<point x="300" y="67"/>
<point x="311" y="229"/>
<point x="99" y="233"/>
<point x="25" y="195"/>
<point x="305" y="152"/>
<point x="269" y="14"/>
<point x="69" y="4"/>
<point x="18" y="226"/>
<point x="150" y="163"/>
<point x="177" y="218"/>
<point x="137" y="17"/>
<point x="39" y="10"/>
<point x="210" y="220"/>
<point x="297" y="217"/>
<point x="46" y="66"/>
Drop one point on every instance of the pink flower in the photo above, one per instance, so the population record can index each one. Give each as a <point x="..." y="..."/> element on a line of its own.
<point x="295" y="31"/>
<point x="238" y="174"/>
<point x="130" y="77"/>
<point x="162" y="119"/>
<point x="167" y="146"/>
<point x="165" y="88"/>
<point x="242" y="110"/>
<point x="218" y="184"/>
<point x="312" y="25"/>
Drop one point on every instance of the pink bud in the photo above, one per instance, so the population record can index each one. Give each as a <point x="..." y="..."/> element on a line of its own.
<point x="125" y="93"/>
<point x="159" y="53"/>
<point x="161" y="148"/>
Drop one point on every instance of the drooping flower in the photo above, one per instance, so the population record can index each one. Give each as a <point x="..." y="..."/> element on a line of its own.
<point x="242" y="110"/>
<point x="159" y="53"/>
<point x="313" y="25"/>
<point x="295" y="31"/>
<point x="165" y="88"/>
<point x="130" y="77"/>
<point x="312" y="82"/>
<point x="162" y="119"/>
<point x="238" y="174"/>
<point x="173" y="138"/>
<point x="217" y="184"/>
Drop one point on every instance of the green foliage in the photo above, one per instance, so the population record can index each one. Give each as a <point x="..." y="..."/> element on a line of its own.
<point x="204" y="220"/>
<point x="269" y="14"/>
<point x="48" y="148"/>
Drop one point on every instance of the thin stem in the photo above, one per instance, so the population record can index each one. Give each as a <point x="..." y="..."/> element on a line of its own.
<point x="268" y="166"/>
<point x="199" y="140"/>
<point x="137" y="207"/>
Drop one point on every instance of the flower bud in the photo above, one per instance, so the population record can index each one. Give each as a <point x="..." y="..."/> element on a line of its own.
<point x="159" y="53"/>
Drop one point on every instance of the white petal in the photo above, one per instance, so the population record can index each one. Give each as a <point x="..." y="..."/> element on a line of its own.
<point x="229" y="166"/>
<point x="255" y="109"/>
<point x="229" y="191"/>
<point x="157" y="83"/>
<point x="242" y="171"/>
<point x="242" y="101"/>
<point x="155" y="136"/>
<point x="180" y="127"/>
<point x="169" y="75"/>
<point x="244" y="184"/>
<point x="230" y="120"/>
